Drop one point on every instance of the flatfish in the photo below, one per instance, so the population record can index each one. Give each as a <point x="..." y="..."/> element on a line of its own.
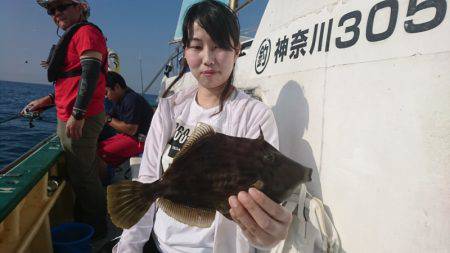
<point x="209" y="168"/>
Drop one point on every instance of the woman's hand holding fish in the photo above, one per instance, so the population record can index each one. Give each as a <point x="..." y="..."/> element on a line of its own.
<point x="263" y="221"/>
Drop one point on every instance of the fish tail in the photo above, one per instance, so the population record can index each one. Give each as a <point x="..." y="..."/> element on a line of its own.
<point x="128" y="201"/>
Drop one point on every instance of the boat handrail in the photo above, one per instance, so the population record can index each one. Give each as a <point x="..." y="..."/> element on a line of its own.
<point x="11" y="165"/>
<point x="171" y="57"/>
<point x="242" y="6"/>
<point x="27" y="171"/>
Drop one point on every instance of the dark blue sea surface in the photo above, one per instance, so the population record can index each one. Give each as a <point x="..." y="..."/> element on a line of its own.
<point x="16" y="137"/>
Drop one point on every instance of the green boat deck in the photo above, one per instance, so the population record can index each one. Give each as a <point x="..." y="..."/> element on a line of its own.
<point x="27" y="173"/>
<point x="26" y="202"/>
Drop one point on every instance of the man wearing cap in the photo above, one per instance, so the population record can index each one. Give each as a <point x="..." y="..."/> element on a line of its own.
<point x="77" y="66"/>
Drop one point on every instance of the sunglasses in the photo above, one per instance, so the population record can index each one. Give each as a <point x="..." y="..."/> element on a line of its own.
<point x="60" y="8"/>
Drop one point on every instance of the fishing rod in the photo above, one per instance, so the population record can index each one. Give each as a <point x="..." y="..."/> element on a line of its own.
<point x="36" y="114"/>
<point x="29" y="115"/>
<point x="10" y="118"/>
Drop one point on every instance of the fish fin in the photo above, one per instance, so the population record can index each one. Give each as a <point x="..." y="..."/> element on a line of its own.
<point x="227" y="215"/>
<point x="224" y="209"/>
<point x="188" y="215"/>
<point x="201" y="131"/>
<point x="127" y="202"/>
<point x="258" y="184"/>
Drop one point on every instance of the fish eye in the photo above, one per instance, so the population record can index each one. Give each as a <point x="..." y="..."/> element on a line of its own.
<point x="269" y="157"/>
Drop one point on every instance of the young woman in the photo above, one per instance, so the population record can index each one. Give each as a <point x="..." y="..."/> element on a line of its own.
<point x="211" y="47"/>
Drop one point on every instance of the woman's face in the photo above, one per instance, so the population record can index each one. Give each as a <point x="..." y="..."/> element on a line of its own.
<point x="210" y="65"/>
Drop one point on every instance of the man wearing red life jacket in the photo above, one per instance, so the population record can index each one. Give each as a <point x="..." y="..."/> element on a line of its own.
<point x="77" y="67"/>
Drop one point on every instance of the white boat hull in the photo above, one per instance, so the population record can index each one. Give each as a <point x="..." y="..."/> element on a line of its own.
<point x="372" y="119"/>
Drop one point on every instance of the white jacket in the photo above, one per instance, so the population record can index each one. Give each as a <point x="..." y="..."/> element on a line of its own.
<point x="242" y="116"/>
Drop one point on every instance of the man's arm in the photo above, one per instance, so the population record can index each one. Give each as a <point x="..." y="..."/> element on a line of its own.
<point x="129" y="116"/>
<point x="121" y="126"/>
<point x="91" y="63"/>
<point x="90" y="72"/>
<point x="39" y="103"/>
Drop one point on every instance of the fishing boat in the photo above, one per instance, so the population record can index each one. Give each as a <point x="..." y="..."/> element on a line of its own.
<point x="360" y="92"/>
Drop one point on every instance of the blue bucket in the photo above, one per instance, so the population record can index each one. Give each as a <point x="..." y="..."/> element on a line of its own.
<point x="72" y="238"/>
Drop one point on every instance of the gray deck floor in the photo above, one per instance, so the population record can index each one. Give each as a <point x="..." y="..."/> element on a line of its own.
<point x="113" y="231"/>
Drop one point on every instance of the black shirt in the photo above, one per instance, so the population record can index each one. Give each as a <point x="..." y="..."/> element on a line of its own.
<point x="133" y="109"/>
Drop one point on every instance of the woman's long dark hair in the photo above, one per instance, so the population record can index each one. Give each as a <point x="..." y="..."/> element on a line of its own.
<point x="222" y="25"/>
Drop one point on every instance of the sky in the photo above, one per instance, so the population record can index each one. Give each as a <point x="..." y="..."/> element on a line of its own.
<point x="134" y="28"/>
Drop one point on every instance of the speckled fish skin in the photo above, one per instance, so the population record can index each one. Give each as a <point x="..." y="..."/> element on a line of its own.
<point x="209" y="168"/>
<point x="219" y="166"/>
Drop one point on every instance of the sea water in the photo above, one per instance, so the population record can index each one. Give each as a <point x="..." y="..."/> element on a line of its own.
<point x="16" y="136"/>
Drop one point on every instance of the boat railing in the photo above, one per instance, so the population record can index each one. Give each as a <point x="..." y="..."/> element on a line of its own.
<point x="11" y="165"/>
<point x="173" y="56"/>
<point x="242" y="6"/>
<point x="30" y="189"/>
